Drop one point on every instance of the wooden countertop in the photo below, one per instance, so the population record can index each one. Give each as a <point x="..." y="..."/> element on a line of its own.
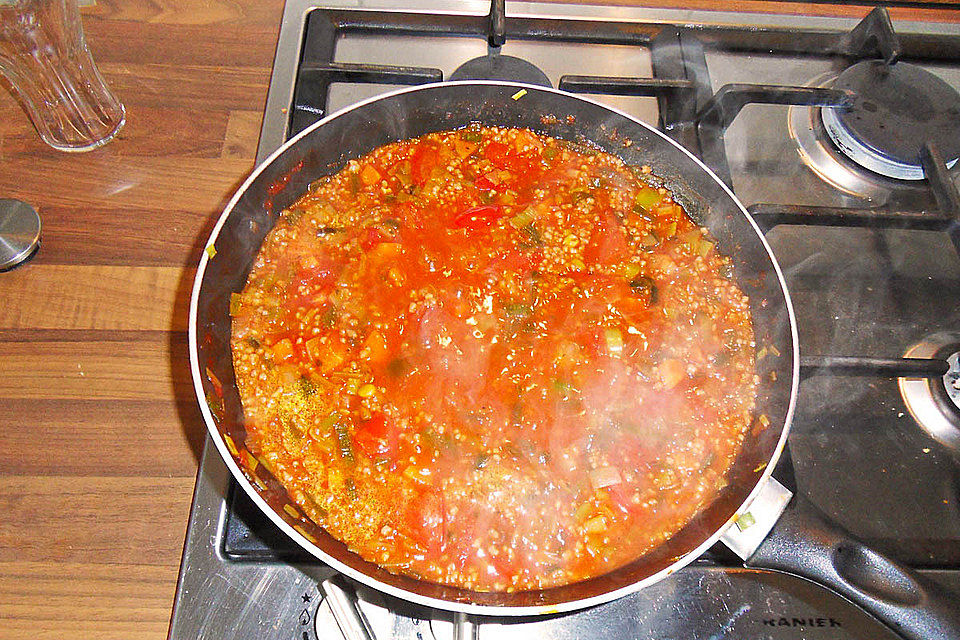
<point x="99" y="430"/>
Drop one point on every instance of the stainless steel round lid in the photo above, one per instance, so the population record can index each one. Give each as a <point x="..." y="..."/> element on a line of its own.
<point x="19" y="232"/>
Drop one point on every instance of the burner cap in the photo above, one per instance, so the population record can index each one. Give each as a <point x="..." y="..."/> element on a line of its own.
<point x="19" y="232"/>
<point x="896" y="109"/>
<point x="935" y="402"/>
<point x="497" y="67"/>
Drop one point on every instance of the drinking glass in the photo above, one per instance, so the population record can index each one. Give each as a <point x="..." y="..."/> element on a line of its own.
<point x="44" y="57"/>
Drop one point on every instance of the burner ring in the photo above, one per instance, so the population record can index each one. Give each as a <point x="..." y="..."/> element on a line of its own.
<point x="895" y="110"/>
<point x="866" y="156"/>
<point x="821" y="155"/>
<point x="934" y="403"/>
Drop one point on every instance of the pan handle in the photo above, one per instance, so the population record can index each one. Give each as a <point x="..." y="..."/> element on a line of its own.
<point x="805" y="543"/>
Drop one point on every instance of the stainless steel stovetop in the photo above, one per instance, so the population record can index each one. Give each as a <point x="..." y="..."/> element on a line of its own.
<point x="872" y="289"/>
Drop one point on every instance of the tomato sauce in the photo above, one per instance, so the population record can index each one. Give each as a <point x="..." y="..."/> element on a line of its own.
<point x="493" y="359"/>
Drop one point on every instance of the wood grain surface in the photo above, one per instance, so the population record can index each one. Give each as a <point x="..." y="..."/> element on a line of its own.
<point x="99" y="430"/>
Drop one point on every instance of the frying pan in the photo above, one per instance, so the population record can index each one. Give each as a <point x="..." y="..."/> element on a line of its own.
<point x="801" y="543"/>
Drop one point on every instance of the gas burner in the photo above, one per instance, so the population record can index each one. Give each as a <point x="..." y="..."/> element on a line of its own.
<point x="806" y="127"/>
<point x="896" y="109"/>
<point x="935" y="402"/>
<point x="494" y="66"/>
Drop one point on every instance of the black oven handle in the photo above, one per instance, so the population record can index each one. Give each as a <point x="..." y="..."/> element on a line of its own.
<point x="806" y="544"/>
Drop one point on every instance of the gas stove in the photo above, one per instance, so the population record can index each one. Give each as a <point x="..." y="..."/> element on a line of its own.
<point x="837" y="134"/>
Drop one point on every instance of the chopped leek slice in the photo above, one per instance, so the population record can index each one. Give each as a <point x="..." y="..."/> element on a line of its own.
<point x="343" y="441"/>
<point x="614" y="340"/>
<point x="646" y="198"/>
<point x="524" y="218"/>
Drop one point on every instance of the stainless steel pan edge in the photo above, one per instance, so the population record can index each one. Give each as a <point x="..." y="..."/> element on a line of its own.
<point x="458" y="600"/>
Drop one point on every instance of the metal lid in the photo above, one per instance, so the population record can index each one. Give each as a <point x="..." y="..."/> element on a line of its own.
<point x="19" y="232"/>
<point x="896" y="109"/>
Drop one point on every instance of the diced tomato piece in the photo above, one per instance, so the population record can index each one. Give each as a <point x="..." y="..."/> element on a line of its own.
<point x="464" y="148"/>
<point x="371" y="237"/>
<point x="590" y="339"/>
<point x="478" y="218"/>
<point x="631" y="452"/>
<point x="621" y="495"/>
<point x="425" y="520"/>
<point x="424" y="159"/>
<point x="523" y="167"/>
<point x="328" y="355"/>
<point x="499" y="154"/>
<point x="672" y="371"/>
<point x="502" y="565"/>
<point x="608" y="243"/>
<point x="485" y="183"/>
<point x="313" y="348"/>
<point x="319" y="276"/>
<point x="369" y="175"/>
<point x="283" y="349"/>
<point x="515" y="261"/>
<point x="377" y="438"/>
<point x="315" y="274"/>
<point x="376" y="344"/>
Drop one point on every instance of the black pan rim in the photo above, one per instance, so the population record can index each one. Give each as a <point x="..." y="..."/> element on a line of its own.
<point x="466" y="606"/>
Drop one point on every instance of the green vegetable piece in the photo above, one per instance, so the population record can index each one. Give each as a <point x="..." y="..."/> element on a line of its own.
<point x="578" y="195"/>
<point x="645" y="285"/>
<point x="516" y="412"/>
<point x="351" y="487"/>
<point x="614" y="340"/>
<point x="536" y="238"/>
<point x="643" y="213"/>
<point x="343" y="441"/>
<point x="215" y="404"/>
<point x="329" y="317"/>
<point x="647" y="198"/>
<point x="292" y="216"/>
<point x="650" y="240"/>
<point x="518" y="310"/>
<point x="305" y="387"/>
<point x="328" y="422"/>
<point x="524" y="218"/>
<point x="745" y="521"/>
<point x="295" y="432"/>
<point x="471" y="135"/>
<point x="549" y="153"/>
<point x="236" y="304"/>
